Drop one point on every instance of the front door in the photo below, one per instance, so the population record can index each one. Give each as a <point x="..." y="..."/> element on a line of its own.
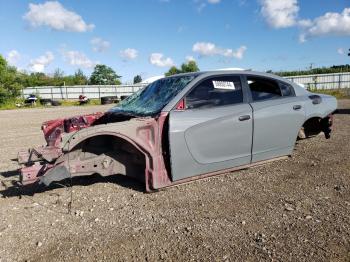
<point x="214" y="132"/>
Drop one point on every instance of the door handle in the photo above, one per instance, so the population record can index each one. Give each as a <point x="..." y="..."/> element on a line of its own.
<point x="296" y="107"/>
<point x="244" y="118"/>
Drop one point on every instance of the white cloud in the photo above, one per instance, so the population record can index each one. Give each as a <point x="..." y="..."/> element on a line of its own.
<point x="341" y="51"/>
<point x="39" y="64"/>
<point x="13" y="57"/>
<point x="210" y="49"/>
<point x="239" y="53"/>
<point x="205" y="49"/>
<point x="280" y="13"/>
<point x="129" y="53"/>
<point x="284" y="13"/>
<point x="79" y="59"/>
<point x="330" y="24"/>
<point x="99" y="45"/>
<point x="305" y="23"/>
<point x="180" y="29"/>
<point x="190" y="58"/>
<point x="55" y="16"/>
<point x="201" y="4"/>
<point x="159" y="60"/>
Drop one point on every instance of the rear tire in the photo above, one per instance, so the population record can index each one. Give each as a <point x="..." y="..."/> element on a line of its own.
<point x="109" y="100"/>
<point x="55" y="103"/>
<point x="46" y="101"/>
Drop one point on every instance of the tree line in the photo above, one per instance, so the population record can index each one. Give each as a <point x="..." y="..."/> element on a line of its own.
<point x="13" y="80"/>
<point x="315" y="71"/>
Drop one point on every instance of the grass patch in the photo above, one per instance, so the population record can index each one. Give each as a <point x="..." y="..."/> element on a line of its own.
<point x="11" y="104"/>
<point x="92" y="102"/>
<point x="19" y="104"/>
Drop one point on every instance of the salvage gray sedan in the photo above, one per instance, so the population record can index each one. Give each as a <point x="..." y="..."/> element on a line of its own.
<point x="181" y="128"/>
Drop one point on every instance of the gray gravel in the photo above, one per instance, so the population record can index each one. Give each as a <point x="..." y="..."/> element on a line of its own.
<point x="296" y="209"/>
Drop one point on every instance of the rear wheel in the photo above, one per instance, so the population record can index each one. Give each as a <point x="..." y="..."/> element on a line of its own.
<point x="109" y="100"/>
<point x="46" y="101"/>
<point x="56" y="103"/>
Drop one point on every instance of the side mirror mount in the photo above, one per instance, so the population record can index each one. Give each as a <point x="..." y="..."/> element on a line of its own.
<point x="181" y="106"/>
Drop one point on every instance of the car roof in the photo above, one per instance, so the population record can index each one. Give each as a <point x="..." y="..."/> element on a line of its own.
<point x="204" y="74"/>
<point x="228" y="72"/>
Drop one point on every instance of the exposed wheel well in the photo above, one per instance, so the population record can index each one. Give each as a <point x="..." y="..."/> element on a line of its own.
<point x="311" y="127"/>
<point x="123" y="157"/>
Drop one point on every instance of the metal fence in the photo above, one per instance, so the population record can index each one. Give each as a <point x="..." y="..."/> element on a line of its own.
<point x="73" y="92"/>
<point x="322" y="81"/>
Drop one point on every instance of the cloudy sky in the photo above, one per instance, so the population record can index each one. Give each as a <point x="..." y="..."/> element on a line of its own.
<point x="148" y="36"/>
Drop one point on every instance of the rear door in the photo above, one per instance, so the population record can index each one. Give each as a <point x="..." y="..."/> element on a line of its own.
<point x="214" y="131"/>
<point x="278" y="116"/>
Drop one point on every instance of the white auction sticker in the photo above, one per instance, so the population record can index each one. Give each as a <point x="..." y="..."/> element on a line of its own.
<point x="224" y="85"/>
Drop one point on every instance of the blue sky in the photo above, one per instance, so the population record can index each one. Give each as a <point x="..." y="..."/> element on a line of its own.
<point x="148" y="36"/>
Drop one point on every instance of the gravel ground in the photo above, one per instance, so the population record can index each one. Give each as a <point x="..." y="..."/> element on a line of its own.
<point x="296" y="209"/>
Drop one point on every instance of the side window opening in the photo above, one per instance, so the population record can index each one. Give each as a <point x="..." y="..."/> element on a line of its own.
<point x="287" y="90"/>
<point x="214" y="92"/>
<point x="263" y="89"/>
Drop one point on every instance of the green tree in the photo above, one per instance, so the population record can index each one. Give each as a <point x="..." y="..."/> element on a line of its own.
<point x="58" y="73"/>
<point x="137" y="79"/>
<point x="320" y="70"/>
<point x="10" y="81"/>
<point x="79" y="78"/>
<point x="104" y="75"/>
<point x="36" y="79"/>
<point x="190" y="66"/>
<point x="57" y="79"/>
<point x="173" y="71"/>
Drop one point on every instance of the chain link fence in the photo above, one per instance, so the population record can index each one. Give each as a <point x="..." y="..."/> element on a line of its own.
<point x="73" y="92"/>
<point x="323" y="81"/>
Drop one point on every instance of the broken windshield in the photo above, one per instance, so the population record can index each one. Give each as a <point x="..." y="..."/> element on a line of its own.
<point x="151" y="99"/>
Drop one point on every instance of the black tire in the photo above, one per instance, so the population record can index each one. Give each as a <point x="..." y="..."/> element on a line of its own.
<point x="108" y="100"/>
<point x="123" y="97"/>
<point x="56" y="103"/>
<point x="45" y="101"/>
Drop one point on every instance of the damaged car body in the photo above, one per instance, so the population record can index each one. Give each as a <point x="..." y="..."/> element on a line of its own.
<point x="181" y="128"/>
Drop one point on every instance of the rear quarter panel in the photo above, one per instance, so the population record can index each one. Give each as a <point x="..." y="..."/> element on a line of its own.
<point x="327" y="106"/>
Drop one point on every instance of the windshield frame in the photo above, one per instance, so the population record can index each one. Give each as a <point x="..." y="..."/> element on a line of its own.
<point x="118" y="109"/>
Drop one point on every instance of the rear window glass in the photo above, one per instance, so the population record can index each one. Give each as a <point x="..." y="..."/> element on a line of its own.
<point x="287" y="90"/>
<point x="263" y="88"/>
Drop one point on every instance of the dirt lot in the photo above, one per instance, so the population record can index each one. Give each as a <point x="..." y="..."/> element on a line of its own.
<point x="296" y="209"/>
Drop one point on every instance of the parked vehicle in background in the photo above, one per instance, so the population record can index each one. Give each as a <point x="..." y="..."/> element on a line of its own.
<point x="83" y="99"/>
<point x="181" y="128"/>
<point x="106" y="100"/>
<point x="31" y="99"/>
